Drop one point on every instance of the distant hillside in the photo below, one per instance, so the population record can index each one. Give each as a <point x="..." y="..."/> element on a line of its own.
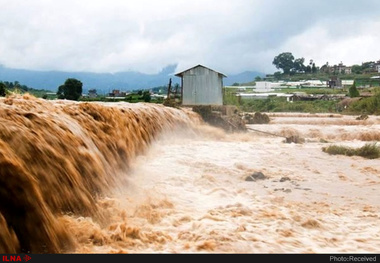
<point x="244" y="77"/>
<point x="105" y="82"/>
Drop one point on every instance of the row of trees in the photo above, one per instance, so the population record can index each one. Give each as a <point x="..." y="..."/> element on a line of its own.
<point x="364" y="67"/>
<point x="289" y="64"/>
<point x="12" y="86"/>
<point x="15" y="85"/>
<point x="72" y="90"/>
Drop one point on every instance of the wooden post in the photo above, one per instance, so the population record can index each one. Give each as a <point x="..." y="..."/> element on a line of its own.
<point x="169" y="88"/>
<point x="175" y="91"/>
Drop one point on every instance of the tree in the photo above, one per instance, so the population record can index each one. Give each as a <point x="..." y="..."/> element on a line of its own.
<point x="368" y="66"/>
<point x="60" y="92"/>
<point x="284" y="61"/>
<point x="17" y="85"/>
<point x="9" y="84"/>
<point x="277" y="75"/>
<point x="3" y="90"/>
<point x="146" y="96"/>
<point x="325" y="68"/>
<point x="314" y="69"/>
<point x="258" y="78"/>
<point x="298" y="65"/>
<point x="71" y="89"/>
<point x="92" y="93"/>
<point x="353" y="91"/>
<point x="357" y="69"/>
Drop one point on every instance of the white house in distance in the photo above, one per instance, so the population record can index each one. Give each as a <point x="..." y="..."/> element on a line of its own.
<point x="201" y="86"/>
<point x="378" y="66"/>
<point x="266" y="86"/>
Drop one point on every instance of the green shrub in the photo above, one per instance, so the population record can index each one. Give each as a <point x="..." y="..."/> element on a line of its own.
<point x="369" y="105"/>
<point x="369" y="151"/>
<point x="353" y="91"/>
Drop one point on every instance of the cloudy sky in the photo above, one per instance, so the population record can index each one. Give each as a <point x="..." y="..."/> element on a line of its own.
<point x="230" y="36"/>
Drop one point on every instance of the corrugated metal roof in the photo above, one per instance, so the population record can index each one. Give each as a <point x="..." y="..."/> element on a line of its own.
<point x="181" y="73"/>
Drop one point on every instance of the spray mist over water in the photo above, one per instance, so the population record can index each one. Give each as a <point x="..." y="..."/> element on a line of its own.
<point x="59" y="158"/>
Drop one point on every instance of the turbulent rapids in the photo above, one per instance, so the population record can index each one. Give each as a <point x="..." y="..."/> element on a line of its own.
<point x="57" y="158"/>
<point x="143" y="178"/>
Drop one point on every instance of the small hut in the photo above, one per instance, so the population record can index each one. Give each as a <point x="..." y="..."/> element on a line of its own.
<point x="201" y="86"/>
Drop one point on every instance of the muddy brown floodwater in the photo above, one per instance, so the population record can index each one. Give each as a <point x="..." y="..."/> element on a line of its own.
<point x="143" y="178"/>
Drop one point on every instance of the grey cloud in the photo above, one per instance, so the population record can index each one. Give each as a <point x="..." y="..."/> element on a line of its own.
<point x="113" y="35"/>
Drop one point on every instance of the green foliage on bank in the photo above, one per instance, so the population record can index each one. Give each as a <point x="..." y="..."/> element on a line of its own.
<point x="369" y="105"/>
<point x="369" y="150"/>
<point x="9" y="87"/>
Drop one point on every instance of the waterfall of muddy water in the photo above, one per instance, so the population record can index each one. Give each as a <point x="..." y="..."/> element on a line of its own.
<point x="142" y="178"/>
<point x="189" y="194"/>
<point x="58" y="159"/>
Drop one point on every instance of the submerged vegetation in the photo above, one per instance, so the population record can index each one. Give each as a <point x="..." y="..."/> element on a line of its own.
<point x="369" y="151"/>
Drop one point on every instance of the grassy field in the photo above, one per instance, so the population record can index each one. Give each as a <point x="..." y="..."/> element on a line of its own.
<point x="313" y="90"/>
<point x="281" y="105"/>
